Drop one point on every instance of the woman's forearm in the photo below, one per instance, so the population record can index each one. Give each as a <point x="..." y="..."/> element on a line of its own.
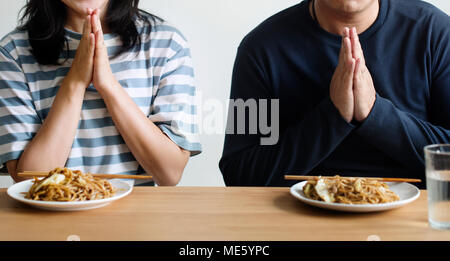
<point x="51" y="146"/>
<point x="156" y="153"/>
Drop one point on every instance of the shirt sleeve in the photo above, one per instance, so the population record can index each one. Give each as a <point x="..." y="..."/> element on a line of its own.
<point x="19" y="121"/>
<point x="174" y="108"/>
<point x="402" y="135"/>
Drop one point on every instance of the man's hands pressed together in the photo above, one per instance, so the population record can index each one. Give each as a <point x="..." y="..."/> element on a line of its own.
<point x="352" y="90"/>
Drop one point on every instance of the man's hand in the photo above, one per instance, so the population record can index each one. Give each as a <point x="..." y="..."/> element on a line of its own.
<point x="363" y="87"/>
<point x="341" y="87"/>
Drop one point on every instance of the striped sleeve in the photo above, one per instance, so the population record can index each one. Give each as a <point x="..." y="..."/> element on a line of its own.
<point x="19" y="121"/>
<point x="174" y="108"/>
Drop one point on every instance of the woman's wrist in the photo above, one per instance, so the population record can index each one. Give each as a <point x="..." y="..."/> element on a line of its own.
<point x="73" y="90"/>
<point x="75" y="83"/>
<point x="108" y="89"/>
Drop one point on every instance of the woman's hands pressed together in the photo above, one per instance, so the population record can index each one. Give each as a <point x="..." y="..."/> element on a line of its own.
<point x="91" y="62"/>
<point x="45" y="152"/>
<point x="155" y="152"/>
<point x="52" y="145"/>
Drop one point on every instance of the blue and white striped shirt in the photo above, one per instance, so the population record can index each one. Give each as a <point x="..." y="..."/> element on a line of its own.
<point x="157" y="74"/>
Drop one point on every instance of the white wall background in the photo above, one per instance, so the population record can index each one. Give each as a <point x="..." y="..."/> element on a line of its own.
<point x="214" y="29"/>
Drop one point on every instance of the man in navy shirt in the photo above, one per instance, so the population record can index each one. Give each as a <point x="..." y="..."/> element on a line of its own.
<point x="363" y="86"/>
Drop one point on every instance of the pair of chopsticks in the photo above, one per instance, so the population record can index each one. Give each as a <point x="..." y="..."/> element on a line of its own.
<point x="296" y="177"/>
<point x="31" y="174"/>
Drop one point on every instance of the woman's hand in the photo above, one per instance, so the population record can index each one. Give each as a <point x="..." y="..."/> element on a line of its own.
<point x="52" y="144"/>
<point x="156" y="153"/>
<point x="103" y="77"/>
<point x="82" y="66"/>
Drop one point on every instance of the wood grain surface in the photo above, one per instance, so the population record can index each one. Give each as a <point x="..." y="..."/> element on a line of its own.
<point x="214" y="213"/>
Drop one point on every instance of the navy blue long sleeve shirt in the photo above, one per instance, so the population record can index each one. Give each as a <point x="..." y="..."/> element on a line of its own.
<point x="291" y="58"/>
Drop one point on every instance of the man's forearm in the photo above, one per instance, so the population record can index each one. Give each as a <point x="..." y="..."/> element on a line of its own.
<point x="400" y="135"/>
<point x="300" y="149"/>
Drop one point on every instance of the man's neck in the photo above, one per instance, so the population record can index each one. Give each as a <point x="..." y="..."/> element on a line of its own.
<point x="334" y="21"/>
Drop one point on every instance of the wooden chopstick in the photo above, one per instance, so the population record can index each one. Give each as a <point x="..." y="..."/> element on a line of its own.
<point x="296" y="177"/>
<point x="31" y="174"/>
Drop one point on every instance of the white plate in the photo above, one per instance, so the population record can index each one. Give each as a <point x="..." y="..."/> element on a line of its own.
<point x="407" y="193"/>
<point x="15" y="191"/>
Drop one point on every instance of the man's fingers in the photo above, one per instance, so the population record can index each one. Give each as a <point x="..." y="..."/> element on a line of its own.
<point x="345" y="34"/>
<point x="353" y="41"/>
<point x="356" y="46"/>
<point x="349" y="73"/>
<point x="358" y="72"/>
<point x="347" y="50"/>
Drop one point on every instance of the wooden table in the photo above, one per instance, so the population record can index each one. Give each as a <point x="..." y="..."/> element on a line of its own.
<point x="213" y="213"/>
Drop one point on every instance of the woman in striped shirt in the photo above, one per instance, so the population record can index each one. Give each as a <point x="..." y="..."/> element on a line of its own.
<point x="99" y="86"/>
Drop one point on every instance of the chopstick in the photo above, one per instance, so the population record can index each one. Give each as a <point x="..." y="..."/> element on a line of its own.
<point x="295" y="177"/>
<point x="31" y="174"/>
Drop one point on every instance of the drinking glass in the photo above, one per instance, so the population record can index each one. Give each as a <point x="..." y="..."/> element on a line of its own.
<point x="437" y="160"/>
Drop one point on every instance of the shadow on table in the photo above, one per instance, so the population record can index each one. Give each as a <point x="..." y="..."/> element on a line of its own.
<point x="288" y="203"/>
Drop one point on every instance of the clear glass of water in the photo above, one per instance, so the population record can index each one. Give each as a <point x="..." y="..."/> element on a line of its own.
<point x="437" y="160"/>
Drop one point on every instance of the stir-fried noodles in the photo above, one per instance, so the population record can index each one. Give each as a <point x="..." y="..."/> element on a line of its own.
<point x="63" y="184"/>
<point x="349" y="191"/>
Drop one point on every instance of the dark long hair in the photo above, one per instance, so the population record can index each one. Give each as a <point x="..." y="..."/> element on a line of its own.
<point x="44" y="20"/>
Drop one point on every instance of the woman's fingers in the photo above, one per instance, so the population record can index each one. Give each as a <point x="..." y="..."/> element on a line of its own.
<point x="96" y="23"/>
<point x="88" y="40"/>
<point x="103" y="77"/>
<point x="92" y="43"/>
<point x="99" y="42"/>
<point x="87" y="28"/>
<point x="97" y="30"/>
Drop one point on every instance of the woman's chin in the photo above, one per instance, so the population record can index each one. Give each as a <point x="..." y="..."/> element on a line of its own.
<point x="81" y="6"/>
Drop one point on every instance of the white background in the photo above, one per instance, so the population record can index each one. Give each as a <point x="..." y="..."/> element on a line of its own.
<point x="214" y="29"/>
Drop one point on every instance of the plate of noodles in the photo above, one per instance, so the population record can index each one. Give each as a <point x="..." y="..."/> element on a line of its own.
<point x="66" y="190"/>
<point x="354" y="194"/>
